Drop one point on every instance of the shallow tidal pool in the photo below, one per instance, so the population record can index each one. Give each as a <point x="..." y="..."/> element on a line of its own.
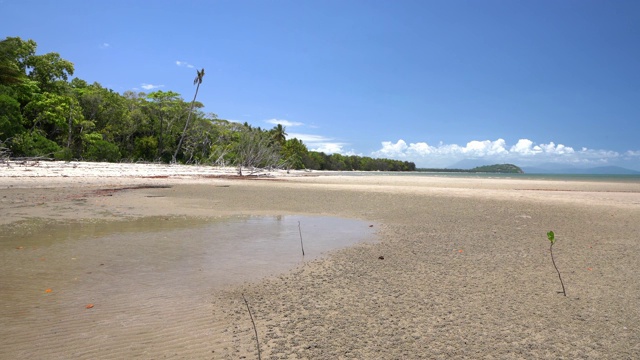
<point x="89" y="262"/>
<point x="84" y="290"/>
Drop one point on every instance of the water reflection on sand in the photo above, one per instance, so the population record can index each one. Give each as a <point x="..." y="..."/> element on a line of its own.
<point x="151" y="259"/>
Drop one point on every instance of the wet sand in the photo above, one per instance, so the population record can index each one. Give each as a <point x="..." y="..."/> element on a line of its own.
<point x="466" y="271"/>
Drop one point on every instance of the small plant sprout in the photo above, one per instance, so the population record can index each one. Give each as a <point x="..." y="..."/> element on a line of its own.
<point x="552" y="238"/>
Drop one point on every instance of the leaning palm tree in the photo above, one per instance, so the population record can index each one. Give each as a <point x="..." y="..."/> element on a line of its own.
<point x="197" y="81"/>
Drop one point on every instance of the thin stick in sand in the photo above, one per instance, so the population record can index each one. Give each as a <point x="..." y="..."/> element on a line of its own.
<point x="254" y="326"/>
<point x="301" y="244"/>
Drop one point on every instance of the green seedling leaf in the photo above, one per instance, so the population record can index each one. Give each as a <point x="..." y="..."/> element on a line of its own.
<point x="552" y="238"/>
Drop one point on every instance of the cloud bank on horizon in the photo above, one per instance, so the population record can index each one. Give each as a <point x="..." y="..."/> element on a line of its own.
<point x="523" y="153"/>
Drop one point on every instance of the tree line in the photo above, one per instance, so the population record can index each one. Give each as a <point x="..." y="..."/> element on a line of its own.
<point x="46" y="114"/>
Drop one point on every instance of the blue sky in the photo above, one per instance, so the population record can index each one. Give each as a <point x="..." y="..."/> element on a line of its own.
<point x="434" y="82"/>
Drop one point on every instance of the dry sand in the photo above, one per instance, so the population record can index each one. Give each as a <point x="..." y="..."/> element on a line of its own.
<point x="466" y="270"/>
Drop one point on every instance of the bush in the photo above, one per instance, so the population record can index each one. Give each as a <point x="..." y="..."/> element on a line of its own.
<point x="102" y="150"/>
<point x="146" y="148"/>
<point x="33" y="144"/>
<point x="64" y="154"/>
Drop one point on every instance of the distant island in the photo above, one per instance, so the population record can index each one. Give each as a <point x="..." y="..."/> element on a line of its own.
<point x="497" y="168"/>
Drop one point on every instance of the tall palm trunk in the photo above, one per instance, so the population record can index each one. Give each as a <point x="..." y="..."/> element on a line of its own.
<point x="197" y="81"/>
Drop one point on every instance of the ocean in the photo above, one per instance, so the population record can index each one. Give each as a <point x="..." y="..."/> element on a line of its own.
<point x="555" y="177"/>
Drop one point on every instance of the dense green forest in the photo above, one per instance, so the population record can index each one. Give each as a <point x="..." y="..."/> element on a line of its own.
<point x="45" y="114"/>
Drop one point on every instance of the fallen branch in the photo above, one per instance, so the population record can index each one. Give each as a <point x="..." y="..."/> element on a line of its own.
<point x="254" y="326"/>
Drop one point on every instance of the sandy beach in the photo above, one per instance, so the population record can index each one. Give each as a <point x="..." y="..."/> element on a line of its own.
<point x="459" y="269"/>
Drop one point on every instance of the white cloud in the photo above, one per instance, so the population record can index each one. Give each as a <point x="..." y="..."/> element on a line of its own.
<point x="150" y="86"/>
<point x="525" y="147"/>
<point x="328" y="148"/>
<point x="486" y="147"/>
<point x="309" y="138"/>
<point x="524" y="153"/>
<point x="319" y="143"/>
<point x="184" y="63"/>
<point x="104" y="45"/>
<point x="398" y="149"/>
<point x="284" y="122"/>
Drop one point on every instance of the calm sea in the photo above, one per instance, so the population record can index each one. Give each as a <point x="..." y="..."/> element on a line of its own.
<point x="556" y="177"/>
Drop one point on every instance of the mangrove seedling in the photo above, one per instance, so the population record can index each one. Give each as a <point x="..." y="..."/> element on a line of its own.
<point x="552" y="238"/>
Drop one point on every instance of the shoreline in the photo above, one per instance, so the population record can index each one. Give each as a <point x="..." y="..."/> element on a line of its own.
<point x="466" y="270"/>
